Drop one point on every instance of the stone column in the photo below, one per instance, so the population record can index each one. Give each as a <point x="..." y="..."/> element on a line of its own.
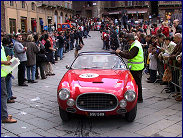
<point x="96" y="9"/>
<point x="3" y="26"/>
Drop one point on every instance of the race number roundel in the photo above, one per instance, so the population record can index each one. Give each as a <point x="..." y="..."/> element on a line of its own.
<point x="88" y="75"/>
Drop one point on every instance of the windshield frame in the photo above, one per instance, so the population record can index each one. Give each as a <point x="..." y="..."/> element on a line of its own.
<point x="93" y="53"/>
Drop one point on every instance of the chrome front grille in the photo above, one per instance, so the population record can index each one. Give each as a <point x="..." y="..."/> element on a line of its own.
<point x="96" y="102"/>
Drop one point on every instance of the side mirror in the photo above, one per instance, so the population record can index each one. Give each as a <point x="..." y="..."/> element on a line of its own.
<point x="130" y="67"/>
<point x="67" y="67"/>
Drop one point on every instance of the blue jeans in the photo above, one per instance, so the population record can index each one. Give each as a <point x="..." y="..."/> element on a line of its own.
<point x="60" y="52"/>
<point x="8" y="86"/>
<point x="31" y="69"/>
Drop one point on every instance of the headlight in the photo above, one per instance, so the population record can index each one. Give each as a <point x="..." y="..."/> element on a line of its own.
<point x="70" y="102"/>
<point x="130" y="95"/>
<point x="64" y="94"/>
<point x="122" y="103"/>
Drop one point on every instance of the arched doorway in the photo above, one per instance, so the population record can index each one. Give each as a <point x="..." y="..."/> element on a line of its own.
<point x="61" y="17"/>
<point x="56" y="19"/>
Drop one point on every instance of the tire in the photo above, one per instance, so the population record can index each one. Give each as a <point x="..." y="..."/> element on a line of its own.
<point x="130" y="116"/>
<point x="65" y="116"/>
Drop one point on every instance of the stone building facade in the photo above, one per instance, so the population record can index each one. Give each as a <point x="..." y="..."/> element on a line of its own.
<point x="134" y="9"/>
<point x="34" y="15"/>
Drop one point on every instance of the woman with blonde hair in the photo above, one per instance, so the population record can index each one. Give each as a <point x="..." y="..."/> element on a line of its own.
<point x="32" y="49"/>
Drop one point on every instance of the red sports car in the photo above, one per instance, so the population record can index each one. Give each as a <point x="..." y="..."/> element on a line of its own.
<point x="97" y="84"/>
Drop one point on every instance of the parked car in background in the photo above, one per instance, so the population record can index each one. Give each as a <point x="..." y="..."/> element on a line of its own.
<point x="63" y="26"/>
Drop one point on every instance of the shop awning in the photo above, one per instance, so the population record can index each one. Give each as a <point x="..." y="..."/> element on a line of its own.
<point x="135" y="11"/>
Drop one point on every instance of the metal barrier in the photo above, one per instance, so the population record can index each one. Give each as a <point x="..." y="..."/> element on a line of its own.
<point x="176" y="81"/>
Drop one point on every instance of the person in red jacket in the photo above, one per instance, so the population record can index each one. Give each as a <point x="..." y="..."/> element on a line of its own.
<point x="154" y="30"/>
<point x="165" y="29"/>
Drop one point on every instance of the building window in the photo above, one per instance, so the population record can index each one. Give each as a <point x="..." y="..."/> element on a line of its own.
<point x="130" y="3"/>
<point x="11" y="3"/>
<point x="24" y="24"/>
<point x="33" y="6"/>
<point x="12" y="25"/>
<point x="70" y="7"/>
<point x="65" y="5"/>
<point x="23" y="4"/>
<point x="113" y="3"/>
<point x="141" y="3"/>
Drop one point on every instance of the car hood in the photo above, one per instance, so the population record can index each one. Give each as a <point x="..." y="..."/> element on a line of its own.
<point x="97" y="78"/>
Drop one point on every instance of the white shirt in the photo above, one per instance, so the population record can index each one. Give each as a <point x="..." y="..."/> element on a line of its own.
<point x="152" y="62"/>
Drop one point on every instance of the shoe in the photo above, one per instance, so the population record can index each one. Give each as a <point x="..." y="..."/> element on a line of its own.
<point x="29" y="81"/>
<point x="23" y="84"/>
<point x="164" y="83"/>
<point x="33" y="81"/>
<point x="47" y="74"/>
<point x="11" y="101"/>
<point x="140" y="101"/>
<point x="168" y="91"/>
<point x="13" y="97"/>
<point x="9" y="120"/>
<point x="179" y="98"/>
<point x="150" y="81"/>
<point x="52" y="74"/>
<point x="43" y="78"/>
<point x="25" y="79"/>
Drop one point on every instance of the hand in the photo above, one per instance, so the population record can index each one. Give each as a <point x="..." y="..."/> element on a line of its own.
<point x="8" y="58"/>
<point x="118" y="51"/>
<point x="25" y="48"/>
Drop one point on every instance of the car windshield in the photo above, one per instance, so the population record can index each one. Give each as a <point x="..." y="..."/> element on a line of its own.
<point x="99" y="61"/>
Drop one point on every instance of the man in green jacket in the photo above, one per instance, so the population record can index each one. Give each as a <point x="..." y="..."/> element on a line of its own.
<point x="135" y="62"/>
<point x="4" y="113"/>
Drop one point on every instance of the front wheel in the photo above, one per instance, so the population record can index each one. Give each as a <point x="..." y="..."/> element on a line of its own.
<point x="130" y="116"/>
<point x="65" y="116"/>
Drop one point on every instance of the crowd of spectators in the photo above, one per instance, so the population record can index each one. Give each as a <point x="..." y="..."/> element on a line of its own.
<point x="162" y="47"/>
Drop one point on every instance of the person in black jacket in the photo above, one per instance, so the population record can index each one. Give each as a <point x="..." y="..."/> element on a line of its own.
<point x="72" y="35"/>
<point x="40" y="59"/>
<point x="61" y="44"/>
<point x="114" y="40"/>
<point x="78" y="36"/>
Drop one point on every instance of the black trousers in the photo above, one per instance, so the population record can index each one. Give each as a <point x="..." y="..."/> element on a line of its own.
<point x="153" y="75"/>
<point x="40" y="66"/>
<point x="137" y="75"/>
<point x="21" y="72"/>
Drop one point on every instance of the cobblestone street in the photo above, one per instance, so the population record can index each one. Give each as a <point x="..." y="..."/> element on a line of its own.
<point x="37" y="113"/>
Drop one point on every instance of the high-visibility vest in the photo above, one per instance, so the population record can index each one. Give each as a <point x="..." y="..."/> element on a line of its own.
<point x="3" y="58"/>
<point x="137" y="63"/>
